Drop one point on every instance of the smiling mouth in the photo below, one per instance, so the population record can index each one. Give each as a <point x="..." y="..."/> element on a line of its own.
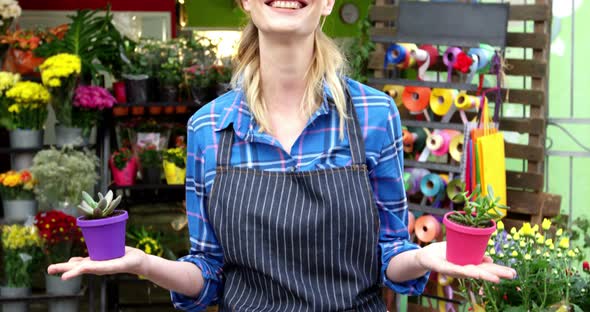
<point x="286" y="4"/>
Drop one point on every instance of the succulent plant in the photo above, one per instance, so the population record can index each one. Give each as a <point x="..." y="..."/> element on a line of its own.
<point x="103" y="208"/>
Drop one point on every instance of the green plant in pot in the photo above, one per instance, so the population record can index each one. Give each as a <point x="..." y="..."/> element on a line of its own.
<point x="103" y="227"/>
<point x="169" y="76"/>
<point x="468" y="231"/>
<point x="150" y="159"/>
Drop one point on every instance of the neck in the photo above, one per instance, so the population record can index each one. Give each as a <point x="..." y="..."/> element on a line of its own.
<point x="283" y="67"/>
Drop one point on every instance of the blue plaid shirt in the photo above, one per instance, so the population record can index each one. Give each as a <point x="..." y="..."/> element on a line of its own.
<point x="318" y="147"/>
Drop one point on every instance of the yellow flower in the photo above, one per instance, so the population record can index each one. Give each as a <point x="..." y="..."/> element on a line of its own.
<point x="513" y="230"/>
<point x="559" y="255"/>
<point x="549" y="242"/>
<point x="522" y="244"/>
<point x="514" y="253"/>
<point x="538" y="252"/>
<point x="527" y="230"/>
<point x="11" y="180"/>
<point x="500" y="226"/>
<point x="541" y="239"/>
<point x="546" y="224"/>
<point x="551" y="247"/>
<point x="508" y="237"/>
<point x="577" y="251"/>
<point x="559" y="232"/>
<point x="546" y="254"/>
<point x="527" y="257"/>
<point x="500" y="255"/>
<point x="493" y="251"/>
<point x="536" y="228"/>
<point x="490" y="242"/>
<point x="564" y="243"/>
<point x="571" y="254"/>
<point x="14" y="108"/>
<point x="516" y="236"/>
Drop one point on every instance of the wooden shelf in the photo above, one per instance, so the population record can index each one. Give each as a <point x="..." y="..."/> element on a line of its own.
<point x="419" y="83"/>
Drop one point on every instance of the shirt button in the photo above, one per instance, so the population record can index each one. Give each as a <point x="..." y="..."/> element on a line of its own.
<point x="294" y="168"/>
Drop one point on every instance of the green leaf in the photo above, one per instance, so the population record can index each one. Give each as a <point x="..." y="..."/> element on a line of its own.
<point x="88" y="199"/>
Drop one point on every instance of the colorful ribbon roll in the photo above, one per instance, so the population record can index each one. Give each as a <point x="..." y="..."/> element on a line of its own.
<point x="441" y="100"/>
<point x="414" y="139"/>
<point x="454" y="188"/>
<point x="395" y="54"/>
<point x="427" y="228"/>
<point x="416" y="99"/>
<point x="411" y="222"/>
<point x="407" y="177"/>
<point x="432" y="185"/>
<point x="484" y="55"/>
<point x="465" y="101"/>
<point x="410" y="51"/>
<point x="456" y="147"/>
<point x="395" y="92"/>
<point x="425" y="56"/>
<point x="450" y="59"/>
<point x="417" y="174"/>
<point x="438" y="142"/>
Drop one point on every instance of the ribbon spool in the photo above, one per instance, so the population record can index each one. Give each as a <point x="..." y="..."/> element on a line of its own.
<point x="416" y="99"/>
<point x="427" y="228"/>
<point x="456" y="147"/>
<point x="450" y="59"/>
<point x="409" y="61"/>
<point x="429" y="49"/>
<point x="454" y="188"/>
<point x="484" y="54"/>
<point x="408" y="139"/>
<point x="395" y="54"/>
<point x="395" y="92"/>
<point x="465" y="101"/>
<point x="411" y="222"/>
<point x="416" y="137"/>
<point x="441" y="100"/>
<point x="417" y="174"/>
<point x="438" y="143"/>
<point x="432" y="185"/>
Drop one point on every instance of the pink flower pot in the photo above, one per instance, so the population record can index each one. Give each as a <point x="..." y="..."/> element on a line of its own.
<point x="119" y="90"/>
<point x="125" y="176"/>
<point x="466" y="245"/>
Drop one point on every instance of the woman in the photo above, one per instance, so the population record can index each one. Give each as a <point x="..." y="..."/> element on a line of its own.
<point x="294" y="192"/>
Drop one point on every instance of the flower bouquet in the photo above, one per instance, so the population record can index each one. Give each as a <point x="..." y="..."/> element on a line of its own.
<point x="21" y="56"/>
<point x="123" y="166"/>
<point x="7" y="81"/>
<point x="89" y="102"/>
<point x="21" y="253"/>
<point x="175" y="165"/>
<point x="18" y="199"/>
<point x="150" y="160"/>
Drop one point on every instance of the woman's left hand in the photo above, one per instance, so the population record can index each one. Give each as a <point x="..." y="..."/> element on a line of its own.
<point x="433" y="258"/>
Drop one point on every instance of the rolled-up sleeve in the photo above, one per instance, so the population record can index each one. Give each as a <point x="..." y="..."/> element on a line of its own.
<point x="390" y="196"/>
<point x="205" y="252"/>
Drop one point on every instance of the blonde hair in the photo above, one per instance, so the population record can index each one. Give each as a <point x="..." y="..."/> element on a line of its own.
<point x="328" y="66"/>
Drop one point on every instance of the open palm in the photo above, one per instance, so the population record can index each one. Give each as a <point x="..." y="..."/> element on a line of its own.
<point x="433" y="257"/>
<point x="130" y="263"/>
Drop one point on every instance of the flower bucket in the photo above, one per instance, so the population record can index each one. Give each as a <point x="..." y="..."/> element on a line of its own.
<point x="19" y="210"/>
<point x="136" y="89"/>
<point x="137" y="110"/>
<point x="181" y="109"/>
<point x="466" y="245"/>
<point x="119" y="91"/>
<point x="125" y="176"/>
<point x="153" y="88"/>
<point x="119" y="111"/>
<point x="69" y="136"/>
<point x="155" y="110"/>
<point x="54" y="285"/>
<point x="168" y="94"/>
<point x="152" y="175"/>
<point x="15" y="292"/>
<point x="105" y="238"/>
<point x="24" y="138"/>
<point x="174" y="175"/>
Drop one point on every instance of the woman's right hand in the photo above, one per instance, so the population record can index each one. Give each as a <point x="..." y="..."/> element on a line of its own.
<point x="132" y="262"/>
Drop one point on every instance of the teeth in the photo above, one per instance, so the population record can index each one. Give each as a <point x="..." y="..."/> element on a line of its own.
<point x="286" y="4"/>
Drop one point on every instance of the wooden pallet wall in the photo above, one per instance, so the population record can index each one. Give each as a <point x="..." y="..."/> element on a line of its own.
<point x="525" y="193"/>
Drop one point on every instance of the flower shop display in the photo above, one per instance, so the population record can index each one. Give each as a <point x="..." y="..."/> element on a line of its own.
<point x="7" y="81"/>
<point x="60" y="74"/>
<point x="89" y="102"/>
<point x="137" y="72"/>
<point x="21" y="254"/>
<point x="123" y="166"/>
<point x="468" y="231"/>
<point x="61" y="239"/>
<point x="27" y="113"/>
<point x="103" y="227"/>
<point x="18" y="199"/>
<point x="546" y="276"/>
<point x="170" y="73"/>
<point x="174" y="165"/>
<point x="9" y="10"/>
<point x="62" y="175"/>
<point x="150" y="160"/>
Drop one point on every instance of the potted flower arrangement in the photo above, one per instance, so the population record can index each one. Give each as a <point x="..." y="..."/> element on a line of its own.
<point x="61" y="239"/>
<point x="170" y="74"/>
<point x="544" y="261"/>
<point x="150" y="159"/>
<point x="103" y="227"/>
<point x="89" y="102"/>
<point x="27" y="113"/>
<point x="60" y="75"/>
<point x="468" y="231"/>
<point x="21" y="250"/>
<point x="175" y="165"/>
<point x="123" y="166"/>
<point x="18" y="199"/>
<point x="62" y="175"/>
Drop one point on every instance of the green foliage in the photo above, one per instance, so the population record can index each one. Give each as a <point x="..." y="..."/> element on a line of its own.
<point x="149" y="240"/>
<point x="359" y="53"/>
<point x="103" y="208"/>
<point x="92" y="37"/>
<point x="150" y="157"/>
<point x="479" y="209"/>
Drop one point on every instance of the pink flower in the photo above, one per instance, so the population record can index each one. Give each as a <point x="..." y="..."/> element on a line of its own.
<point x="92" y="97"/>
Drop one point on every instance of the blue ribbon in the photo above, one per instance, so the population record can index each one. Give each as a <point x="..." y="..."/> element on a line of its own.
<point x="390" y="59"/>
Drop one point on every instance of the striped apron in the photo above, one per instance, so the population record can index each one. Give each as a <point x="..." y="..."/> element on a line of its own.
<point x="297" y="241"/>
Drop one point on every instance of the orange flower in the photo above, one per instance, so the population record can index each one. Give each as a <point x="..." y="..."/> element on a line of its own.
<point x="25" y="176"/>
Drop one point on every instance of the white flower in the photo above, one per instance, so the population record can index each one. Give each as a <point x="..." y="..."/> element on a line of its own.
<point x="7" y="2"/>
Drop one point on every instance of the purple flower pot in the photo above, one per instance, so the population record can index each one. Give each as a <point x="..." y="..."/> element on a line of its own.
<point x="105" y="238"/>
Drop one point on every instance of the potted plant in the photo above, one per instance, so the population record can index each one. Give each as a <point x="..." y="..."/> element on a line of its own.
<point x="102" y="226"/>
<point x="468" y="231"/>
<point x="27" y="113"/>
<point x="18" y="199"/>
<point x="60" y="75"/>
<point x="175" y="165"/>
<point x="21" y="253"/>
<point x="21" y="57"/>
<point x="123" y="166"/>
<point x="61" y="239"/>
<point x="62" y="175"/>
<point x="9" y="10"/>
<point x="170" y="75"/>
<point x="150" y="159"/>
<point x="89" y="102"/>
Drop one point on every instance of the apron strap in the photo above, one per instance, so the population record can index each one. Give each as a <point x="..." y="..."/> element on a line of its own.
<point x="353" y="129"/>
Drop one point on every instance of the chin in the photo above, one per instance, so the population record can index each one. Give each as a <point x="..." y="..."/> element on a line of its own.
<point x="299" y="17"/>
